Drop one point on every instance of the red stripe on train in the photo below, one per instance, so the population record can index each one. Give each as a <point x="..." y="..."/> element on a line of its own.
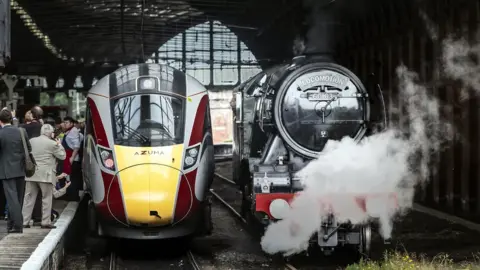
<point x="187" y="202"/>
<point x="111" y="208"/>
<point x="100" y="134"/>
<point x="197" y="129"/>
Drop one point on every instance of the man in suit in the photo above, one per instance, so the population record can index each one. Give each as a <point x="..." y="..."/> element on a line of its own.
<point x="12" y="169"/>
<point x="33" y="130"/>
<point x="45" y="151"/>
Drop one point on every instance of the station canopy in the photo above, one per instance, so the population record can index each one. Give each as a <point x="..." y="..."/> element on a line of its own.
<point x="127" y="31"/>
<point x="47" y="34"/>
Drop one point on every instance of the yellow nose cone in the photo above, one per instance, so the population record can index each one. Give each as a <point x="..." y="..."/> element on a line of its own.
<point x="149" y="184"/>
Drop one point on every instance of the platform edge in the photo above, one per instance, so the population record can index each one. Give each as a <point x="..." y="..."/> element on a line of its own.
<point x="46" y="254"/>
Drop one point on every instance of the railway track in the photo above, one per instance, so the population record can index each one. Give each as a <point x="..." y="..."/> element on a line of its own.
<point x="287" y="266"/>
<point x="189" y="257"/>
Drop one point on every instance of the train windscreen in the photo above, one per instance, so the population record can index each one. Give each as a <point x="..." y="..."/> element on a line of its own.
<point x="148" y="120"/>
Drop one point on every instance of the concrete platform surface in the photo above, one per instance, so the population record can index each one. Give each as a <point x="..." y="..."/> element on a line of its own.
<point x="15" y="249"/>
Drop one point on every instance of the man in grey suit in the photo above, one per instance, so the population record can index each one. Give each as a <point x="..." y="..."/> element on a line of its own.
<point x="45" y="151"/>
<point x="12" y="169"/>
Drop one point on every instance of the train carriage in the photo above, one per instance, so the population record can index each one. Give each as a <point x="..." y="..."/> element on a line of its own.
<point x="148" y="154"/>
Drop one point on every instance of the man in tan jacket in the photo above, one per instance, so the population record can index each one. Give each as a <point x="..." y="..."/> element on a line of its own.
<point x="45" y="151"/>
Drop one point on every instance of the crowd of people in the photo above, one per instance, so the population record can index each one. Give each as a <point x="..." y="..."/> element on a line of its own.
<point x="54" y="146"/>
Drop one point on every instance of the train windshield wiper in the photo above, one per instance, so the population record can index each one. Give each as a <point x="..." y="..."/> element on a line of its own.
<point x="132" y="133"/>
<point x="135" y="134"/>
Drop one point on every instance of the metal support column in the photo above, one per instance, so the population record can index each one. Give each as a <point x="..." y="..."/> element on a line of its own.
<point x="239" y="61"/>
<point x="10" y="82"/>
<point x="184" y="52"/>
<point x="4" y="32"/>
<point x="211" y="54"/>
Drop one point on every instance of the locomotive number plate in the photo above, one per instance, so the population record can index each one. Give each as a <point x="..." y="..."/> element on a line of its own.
<point x="276" y="181"/>
<point x="321" y="96"/>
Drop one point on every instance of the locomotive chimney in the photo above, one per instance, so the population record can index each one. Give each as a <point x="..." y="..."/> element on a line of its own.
<point x="324" y="28"/>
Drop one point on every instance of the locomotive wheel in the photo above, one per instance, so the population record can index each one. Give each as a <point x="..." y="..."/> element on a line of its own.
<point x="365" y="241"/>
<point x="247" y="211"/>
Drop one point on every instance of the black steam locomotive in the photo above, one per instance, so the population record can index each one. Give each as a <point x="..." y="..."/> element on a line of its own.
<point x="283" y="117"/>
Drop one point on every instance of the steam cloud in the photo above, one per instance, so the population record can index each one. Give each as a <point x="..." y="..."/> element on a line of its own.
<point x="394" y="161"/>
<point x="461" y="61"/>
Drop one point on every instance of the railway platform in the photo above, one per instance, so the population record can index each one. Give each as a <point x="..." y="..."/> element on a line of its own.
<point x="37" y="248"/>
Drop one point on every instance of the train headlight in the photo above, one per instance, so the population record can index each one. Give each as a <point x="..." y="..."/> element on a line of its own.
<point x="191" y="156"/>
<point x="189" y="161"/>
<point x="147" y="83"/>
<point x="106" y="156"/>
<point x="193" y="152"/>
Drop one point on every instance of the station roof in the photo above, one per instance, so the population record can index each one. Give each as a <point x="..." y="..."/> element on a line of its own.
<point x="83" y="32"/>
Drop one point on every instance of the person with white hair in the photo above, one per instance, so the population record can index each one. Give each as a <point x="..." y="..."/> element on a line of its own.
<point x="45" y="151"/>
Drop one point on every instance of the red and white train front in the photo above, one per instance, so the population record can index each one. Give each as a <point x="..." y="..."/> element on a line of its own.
<point x="148" y="157"/>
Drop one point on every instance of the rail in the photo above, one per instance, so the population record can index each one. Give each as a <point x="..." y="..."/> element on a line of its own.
<point x="192" y="261"/>
<point x="113" y="261"/>
<point x="225" y="179"/>
<point x="190" y="258"/>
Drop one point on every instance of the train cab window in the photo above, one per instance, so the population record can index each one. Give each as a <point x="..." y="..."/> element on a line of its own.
<point x="148" y="120"/>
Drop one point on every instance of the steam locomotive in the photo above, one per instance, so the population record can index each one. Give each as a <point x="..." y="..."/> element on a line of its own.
<point x="283" y="118"/>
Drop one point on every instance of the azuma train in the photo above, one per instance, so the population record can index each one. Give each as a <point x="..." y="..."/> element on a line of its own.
<point x="148" y="154"/>
<point x="283" y="118"/>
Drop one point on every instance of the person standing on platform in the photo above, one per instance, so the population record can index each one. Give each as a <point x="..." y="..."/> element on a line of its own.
<point x="12" y="168"/>
<point x="28" y="117"/>
<point x="45" y="151"/>
<point x="59" y="128"/>
<point x="32" y="124"/>
<point x="72" y="163"/>
<point x="33" y="127"/>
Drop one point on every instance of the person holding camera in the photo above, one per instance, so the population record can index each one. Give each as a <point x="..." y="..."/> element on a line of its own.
<point x="45" y="150"/>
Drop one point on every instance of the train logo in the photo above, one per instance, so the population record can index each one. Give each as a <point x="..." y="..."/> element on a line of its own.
<point x="322" y="86"/>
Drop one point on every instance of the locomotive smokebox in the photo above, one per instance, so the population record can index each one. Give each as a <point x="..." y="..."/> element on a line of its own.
<point x="325" y="26"/>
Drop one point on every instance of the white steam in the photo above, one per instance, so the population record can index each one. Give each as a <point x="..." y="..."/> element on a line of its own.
<point x="461" y="61"/>
<point x="348" y="174"/>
